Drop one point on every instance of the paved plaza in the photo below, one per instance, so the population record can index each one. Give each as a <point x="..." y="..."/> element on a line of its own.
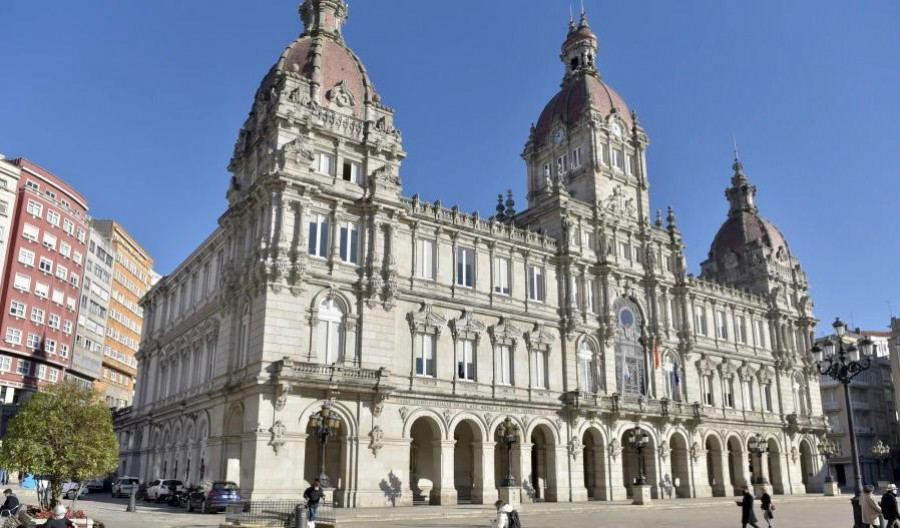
<point x="794" y="512"/>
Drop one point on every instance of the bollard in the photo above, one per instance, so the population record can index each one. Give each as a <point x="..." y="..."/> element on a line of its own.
<point x="300" y="517"/>
<point x="132" y="499"/>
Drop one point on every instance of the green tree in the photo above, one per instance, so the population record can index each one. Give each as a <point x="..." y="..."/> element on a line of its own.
<point x="64" y="432"/>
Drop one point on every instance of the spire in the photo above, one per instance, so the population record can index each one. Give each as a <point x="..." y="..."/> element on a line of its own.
<point x="571" y="20"/>
<point x="323" y="16"/>
<point x="742" y="194"/>
<point x="583" y="23"/>
<point x="579" y="51"/>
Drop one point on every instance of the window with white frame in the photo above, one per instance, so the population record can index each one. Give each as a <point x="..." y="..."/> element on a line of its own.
<point x="352" y="172"/>
<point x="30" y="232"/>
<point x="349" y="243"/>
<point x="465" y="267"/>
<point x="325" y="164"/>
<point x="588" y="240"/>
<point x="425" y="259"/>
<point x="591" y="296"/>
<point x="70" y="303"/>
<point x="536" y="283"/>
<point x="77" y="257"/>
<point x="32" y="185"/>
<point x="767" y="396"/>
<point x="672" y="370"/>
<point x="80" y="235"/>
<point x="46" y="265"/>
<point x="26" y="257"/>
<point x="74" y="279"/>
<point x="34" y="208"/>
<point x="331" y="331"/>
<point x="49" y="241"/>
<point x="58" y="296"/>
<point x="53" y="217"/>
<point x="706" y="382"/>
<point x="619" y="159"/>
<point x="505" y="365"/>
<point x="42" y="290"/>
<point x="42" y="371"/>
<point x="17" y="309"/>
<point x="37" y="315"/>
<point x="539" y="374"/>
<point x="748" y="394"/>
<point x="562" y="165"/>
<point x="759" y="334"/>
<point x="721" y="325"/>
<point x="629" y="164"/>
<point x="700" y="320"/>
<point x="5" y="363"/>
<point x="64" y="351"/>
<point x="23" y="368"/>
<point x="53" y="321"/>
<point x="728" y="386"/>
<point x="501" y="275"/>
<point x="68" y="226"/>
<point x="50" y="346"/>
<point x="34" y="341"/>
<point x="22" y="282"/>
<point x="586" y="368"/>
<point x="604" y="154"/>
<point x="318" y="236"/>
<point x="425" y="353"/>
<point x="67" y="327"/>
<point x="65" y="249"/>
<point x="741" y="329"/>
<point x="53" y="375"/>
<point x="13" y="336"/>
<point x="576" y="158"/>
<point x="465" y="360"/>
<point x="62" y="272"/>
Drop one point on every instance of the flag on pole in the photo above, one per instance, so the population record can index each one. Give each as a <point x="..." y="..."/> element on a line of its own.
<point x="657" y="360"/>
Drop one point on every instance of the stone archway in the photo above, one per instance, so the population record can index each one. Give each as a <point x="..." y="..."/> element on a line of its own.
<point x="334" y="457"/>
<point x="468" y="463"/>
<point x="594" y="462"/>
<point x="681" y="466"/>
<point x="775" y="459"/>
<point x="630" y="465"/>
<point x="542" y="475"/>
<point x="425" y="468"/>
<point x="715" y="470"/>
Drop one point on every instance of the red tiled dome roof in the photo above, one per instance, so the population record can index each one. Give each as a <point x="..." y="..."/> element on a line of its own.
<point x="582" y="33"/>
<point x="743" y="230"/>
<point x="573" y="100"/>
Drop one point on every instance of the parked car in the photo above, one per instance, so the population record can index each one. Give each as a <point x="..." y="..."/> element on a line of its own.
<point x="69" y="489"/>
<point x="95" y="484"/>
<point x="213" y="496"/>
<point x="159" y="489"/>
<point x="123" y="485"/>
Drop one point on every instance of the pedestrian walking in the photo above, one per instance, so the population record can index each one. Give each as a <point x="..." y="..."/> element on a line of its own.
<point x="746" y="504"/>
<point x="313" y="495"/>
<point x="889" y="507"/>
<point x="768" y="508"/>
<point x="871" y="511"/>
<point x="507" y="516"/>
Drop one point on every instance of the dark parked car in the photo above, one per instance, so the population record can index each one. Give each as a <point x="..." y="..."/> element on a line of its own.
<point x="213" y="496"/>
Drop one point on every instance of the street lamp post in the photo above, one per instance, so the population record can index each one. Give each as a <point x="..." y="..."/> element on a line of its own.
<point x="759" y="447"/>
<point x="508" y="432"/>
<point x="639" y="439"/>
<point x="828" y="450"/>
<point x="881" y="452"/>
<point x="842" y="362"/>
<point x="326" y="423"/>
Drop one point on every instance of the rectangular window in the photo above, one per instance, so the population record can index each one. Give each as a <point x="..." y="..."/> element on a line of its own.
<point x="42" y="290"/>
<point x="501" y="275"/>
<point x="54" y="375"/>
<point x="619" y="159"/>
<point x="42" y="371"/>
<point x="58" y="296"/>
<point x="748" y="395"/>
<point x="465" y="360"/>
<point x="53" y="321"/>
<point x="505" y="366"/>
<point x="62" y="272"/>
<point x="53" y="217"/>
<point x="700" y="320"/>
<point x="591" y="299"/>
<point x="562" y="165"/>
<point x="67" y="327"/>
<point x="425" y="345"/>
<point x="624" y="250"/>
<point x="540" y="369"/>
<point x="4" y="205"/>
<point x="49" y="241"/>
<point x="318" y="236"/>
<point x="34" y="208"/>
<point x="604" y="154"/>
<point x="759" y="334"/>
<point x="34" y="341"/>
<point x="588" y="240"/>
<point x="68" y="226"/>
<point x="23" y="368"/>
<point x="708" y="390"/>
<point x="14" y="336"/>
<point x="767" y="394"/>
<point x="37" y="315"/>
<point x="425" y="259"/>
<point x="465" y="267"/>
<point x="5" y="363"/>
<point x="350" y="243"/>
<point x="536" y="283"/>
<point x="352" y="171"/>
<point x="64" y="351"/>
<point x="576" y="158"/>
<point x="629" y="164"/>
<point x="77" y="257"/>
<point x="26" y="257"/>
<point x="325" y="164"/>
<point x="741" y="329"/>
<point x="17" y="309"/>
<point x="46" y="265"/>
<point x="30" y="232"/>
<point x="22" y="282"/>
<point x="74" y="280"/>
<point x="65" y="249"/>
<point x="721" y="325"/>
<point x="729" y="392"/>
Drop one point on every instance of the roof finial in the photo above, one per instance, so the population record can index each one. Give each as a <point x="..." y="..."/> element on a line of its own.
<point x="583" y="22"/>
<point x="738" y="167"/>
<point x="571" y="18"/>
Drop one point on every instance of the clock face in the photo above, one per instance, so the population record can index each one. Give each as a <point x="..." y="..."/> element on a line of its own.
<point x="559" y="136"/>
<point x="616" y="129"/>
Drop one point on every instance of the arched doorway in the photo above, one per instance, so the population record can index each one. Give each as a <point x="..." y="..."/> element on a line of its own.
<point x="543" y="464"/>
<point x="807" y="466"/>
<point x="631" y="464"/>
<point x="333" y="452"/>
<point x="594" y="460"/>
<point x="234" y="430"/>
<point x="776" y="459"/>
<point x="467" y="463"/>
<point x="714" y="471"/>
<point x="737" y="462"/>
<point x="681" y="473"/>
<point x="425" y="460"/>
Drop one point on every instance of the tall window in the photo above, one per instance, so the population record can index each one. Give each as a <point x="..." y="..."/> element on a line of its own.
<point x="34" y="208"/>
<point x="331" y="331"/>
<point x="706" y="382"/>
<point x="728" y="386"/>
<point x="759" y="334"/>
<point x="721" y="325"/>
<point x="30" y="232"/>
<point x="539" y="367"/>
<point x="501" y="275"/>
<point x="504" y="365"/>
<point x="349" y="249"/>
<point x="562" y="166"/>
<point x="17" y="309"/>
<point x="465" y="267"/>
<point x="352" y="171"/>
<point x="591" y="300"/>
<point x="767" y="396"/>
<point x="619" y="159"/>
<point x="243" y="336"/>
<point x="425" y="259"/>
<point x="26" y="257"/>
<point x="425" y="345"/>
<point x="536" y="283"/>
<point x="318" y="236"/>
<point x="801" y="403"/>
<point x="673" y="377"/>
<point x="586" y="370"/>
<point x="741" y="329"/>
<point x="631" y="365"/>
<point x="465" y="359"/>
<point x="748" y="394"/>
<point x="700" y="320"/>
<point x="325" y="164"/>
<point x="576" y="158"/>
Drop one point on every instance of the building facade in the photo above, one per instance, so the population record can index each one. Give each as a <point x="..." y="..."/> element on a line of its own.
<point x="9" y="185"/>
<point x="87" y="361"/>
<point x="423" y="327"/>
<point x="44" y="268"/>
<point x="131" y="277"/>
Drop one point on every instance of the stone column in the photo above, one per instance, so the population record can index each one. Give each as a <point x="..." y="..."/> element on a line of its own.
<point x="616" y="489"/>
<point x="577" y="490"/>
<point x="699" y="472"/>
<point x="521" y="463"/>
<point x="444" y="491"/>
<point x="484" y="488"/>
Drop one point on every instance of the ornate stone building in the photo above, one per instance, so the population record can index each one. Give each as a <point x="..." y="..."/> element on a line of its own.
<point x="423" y="327"/>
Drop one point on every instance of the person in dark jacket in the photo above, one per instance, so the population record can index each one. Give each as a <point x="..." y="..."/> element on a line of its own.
<point x="11" y="502"/>
<point x="746" y="504"/>
<point x="313" y="495"/>
<point x="889" y="505"/>
<point x="768" y="509"/>
<point x="58" y="519"/>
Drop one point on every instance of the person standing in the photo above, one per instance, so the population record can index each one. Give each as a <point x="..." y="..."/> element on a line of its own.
<point x="507" y="516"/>
<point x="313" y="495"/>
<point x="768" y="509"/>
<point x="746" y="504"/>
<point x="871" y="511"/>
<point x="889" y="505"/>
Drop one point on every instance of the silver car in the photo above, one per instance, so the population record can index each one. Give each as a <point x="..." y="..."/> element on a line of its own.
<point x="123" y="486"/>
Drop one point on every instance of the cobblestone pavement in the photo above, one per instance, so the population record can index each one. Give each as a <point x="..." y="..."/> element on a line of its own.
<point x="112" y="512"/>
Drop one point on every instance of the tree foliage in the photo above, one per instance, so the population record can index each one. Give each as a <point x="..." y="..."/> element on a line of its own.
<point x="64" y="432"/>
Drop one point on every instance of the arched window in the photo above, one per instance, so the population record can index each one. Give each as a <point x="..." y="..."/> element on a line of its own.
<point x="331" y="331"/>
<point x="801" y="396"/>
<point x="672" y="371"/>
<point x="631" y="365"/>
<point x="586" y="366"/>
<point x="244" y="336"/>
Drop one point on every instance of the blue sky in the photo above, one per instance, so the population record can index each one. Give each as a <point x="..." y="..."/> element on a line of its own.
<point x="138" y="104"/>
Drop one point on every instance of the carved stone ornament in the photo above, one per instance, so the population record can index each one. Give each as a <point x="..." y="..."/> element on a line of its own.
<point x="615" y="448"/>
<point x="539" y="337"/>
<point x="278" y="431"/>
<point x="466" y="327"/>
<point x="487" y="418"/>
<point x="794" y="454"/>
<point x="448" y="415"/>
<point x="377" y="440"/>
<point x="504" y="330"/>
<point x="404" y="412"/>
<point x="340" y="95"/>
<point x="296" y="152"/>
<point x="618" y="204"/>
<point x="425" y="320"/>
<point x="695" y="451"/>
<point x="664" y="450"/>
<point x="575" y="448"/>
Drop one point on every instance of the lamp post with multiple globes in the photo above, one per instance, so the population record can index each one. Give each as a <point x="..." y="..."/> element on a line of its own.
<point x="508" y="432"/>
<point x="759" y="447"/>
<point x="325" y="423"/>
<point x="881" y="452"/>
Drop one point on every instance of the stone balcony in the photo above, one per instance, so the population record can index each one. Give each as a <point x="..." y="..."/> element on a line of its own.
<point x="636" y="407"/>
<point x="316" y="375"/>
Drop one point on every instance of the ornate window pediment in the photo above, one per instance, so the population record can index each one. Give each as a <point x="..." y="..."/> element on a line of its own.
<point x="706" y="366"/>
<point x="504" y="332"/>
<point x="539" y="337"/>
<point x="727" y="369"/>
<point x="425" y="321"/>
<point x="466" y="327"/>
<point x="765" y="375"/>
<point x="746" y="372"/>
